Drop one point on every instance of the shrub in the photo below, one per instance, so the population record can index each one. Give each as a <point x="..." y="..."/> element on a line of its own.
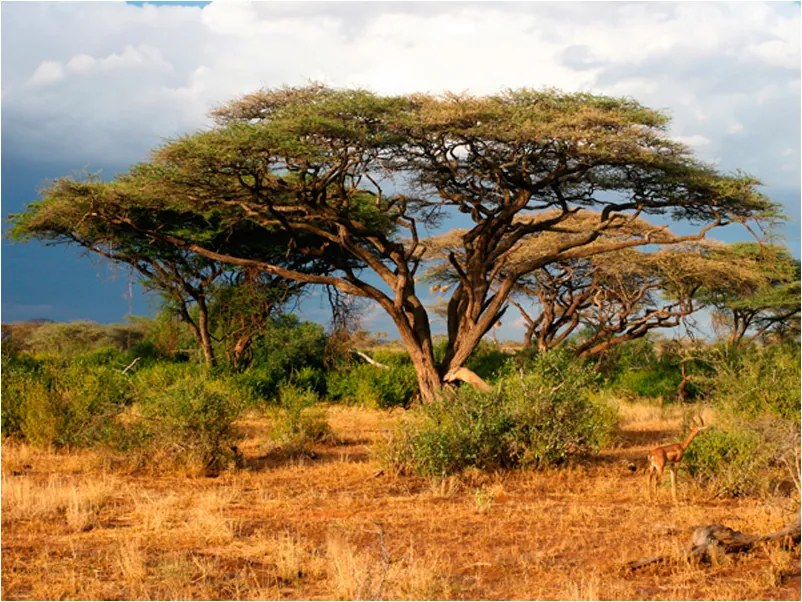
<point x="534" y="419"/>
<point x="730" y="461"/>
<point x="372" y="386"/>
<point x="288" y="350"/>
<point x="298" y="421"/>
<point x="73" y="405"/>
<point x="487" y="360"/>
<point x="187" y="416"/>
<point x="70" y="339"/>
<point x="661" y="381"/>
<point x="758" y="380"/>
<point x="22" y="374"/>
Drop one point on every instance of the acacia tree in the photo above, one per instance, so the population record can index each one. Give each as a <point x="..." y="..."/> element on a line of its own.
<point x="316" y="166"/>
<point x="614" y="297"/>
<point x="206" y="294"/>
<point x="761" y="295"/>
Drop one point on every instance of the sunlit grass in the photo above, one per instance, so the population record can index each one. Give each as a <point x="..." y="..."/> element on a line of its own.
<point x="330" y="528"/>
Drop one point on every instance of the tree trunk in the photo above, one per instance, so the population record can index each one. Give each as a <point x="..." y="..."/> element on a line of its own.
<point x="203" y="334"/>
<point x="417" y="340"/>
<point x="239" y="359"/>
<point x="429" y="381"/>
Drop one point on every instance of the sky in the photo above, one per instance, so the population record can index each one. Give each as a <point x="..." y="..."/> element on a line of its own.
<point x="93" y="86"/>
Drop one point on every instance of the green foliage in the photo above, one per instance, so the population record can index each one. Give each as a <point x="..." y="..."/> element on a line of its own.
<point x="660" y="382"/>
<point x="638" y="354"/>
<point x="299" y="421"/>
<point x="187" y="416"/>
<point x="743" y="457"/>
<point x="21" y="382"/>
<point x="67" y="340"/>
<point x="756" y="381"/>
<point x="538" y="419"/>
<point x="165" y="337"/>
<point x="287" y="351"/>
<point x="73" y="404"/>
<point x="727" y="461"/>
<point x="756" y="440"/>
<point x="487" y="360"/>
<point x="636" y="368"/>
<point x="371" y="386"/>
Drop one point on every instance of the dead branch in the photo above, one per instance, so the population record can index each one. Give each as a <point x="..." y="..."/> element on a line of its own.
<point x="709" y="540"/>
<point x="370" y="360"/>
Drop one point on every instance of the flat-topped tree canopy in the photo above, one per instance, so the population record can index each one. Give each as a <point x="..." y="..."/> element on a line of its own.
<point x="309" y="167"/>
<point x="760" y="293"/>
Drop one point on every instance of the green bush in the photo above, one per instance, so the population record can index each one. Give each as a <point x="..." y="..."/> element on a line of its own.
<point x="759" y="380"/>
<point x="537" y="419"/>
<point x="288" y="351"/>
<point x="22" y="377"/>
<point x="487" y="360"/>
<point x="299" y="421"/>
<point x="730" y="461"/>
<point x="372" y="386"/>
<point x="661" y="381"/>
<point x="70" y="339"/>
<point x="53" y="403"/>
<point x="187" y="416"/>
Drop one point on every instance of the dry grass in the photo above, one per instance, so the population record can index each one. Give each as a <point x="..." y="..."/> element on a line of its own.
<point x="327" y="528"/>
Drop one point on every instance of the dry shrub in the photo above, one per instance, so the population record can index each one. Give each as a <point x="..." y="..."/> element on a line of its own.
<point x="155" y="513"/>
<point x="418" y="578"/>
<point x="355" y="574"/>
<point x="210" y="526"/>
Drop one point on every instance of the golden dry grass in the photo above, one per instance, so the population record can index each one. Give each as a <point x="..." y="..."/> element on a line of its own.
<point x="328" y="528"/>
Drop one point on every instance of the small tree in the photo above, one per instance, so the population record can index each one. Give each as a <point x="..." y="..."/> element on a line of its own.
<point x="244" y="303"/>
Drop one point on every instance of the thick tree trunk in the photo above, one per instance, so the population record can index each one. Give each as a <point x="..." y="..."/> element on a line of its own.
<point x="416" y="337"/>
<point x="429" y="382"/>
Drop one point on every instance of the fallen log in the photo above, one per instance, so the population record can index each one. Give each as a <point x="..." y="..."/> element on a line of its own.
<point x="710" y="540"/>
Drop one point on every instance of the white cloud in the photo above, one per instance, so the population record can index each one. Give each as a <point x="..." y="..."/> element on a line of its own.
<point x="134" y="57"/>
<point x="48" y="72"/>
<point x="694" y="140"/>
<point x="81" y="63"/>
<point x="141" y="74"/>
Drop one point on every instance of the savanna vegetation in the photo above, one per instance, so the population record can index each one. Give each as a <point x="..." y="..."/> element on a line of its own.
<point x="225" y="449"/>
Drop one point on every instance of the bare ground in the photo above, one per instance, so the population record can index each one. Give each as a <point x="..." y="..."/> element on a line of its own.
<point x="77" y="527"/>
